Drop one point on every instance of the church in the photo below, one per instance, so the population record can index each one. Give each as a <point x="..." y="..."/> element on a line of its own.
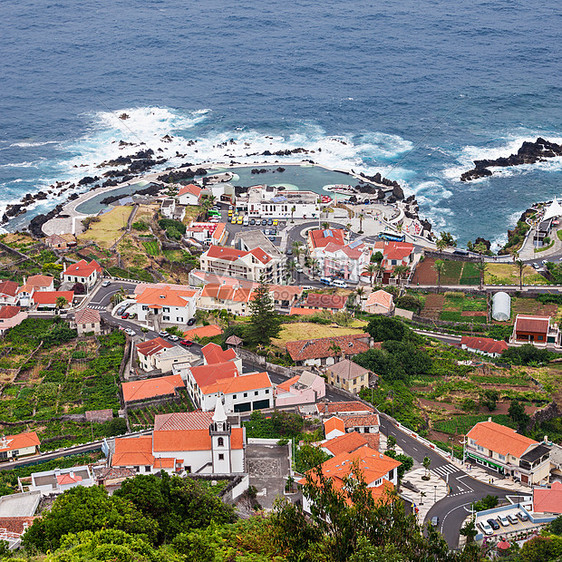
<point x="192" y="442"/>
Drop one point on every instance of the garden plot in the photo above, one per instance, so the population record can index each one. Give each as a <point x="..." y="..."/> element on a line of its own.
<point x="459" y="307"/>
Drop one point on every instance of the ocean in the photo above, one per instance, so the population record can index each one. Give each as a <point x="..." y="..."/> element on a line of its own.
<point x="414" y="90"/>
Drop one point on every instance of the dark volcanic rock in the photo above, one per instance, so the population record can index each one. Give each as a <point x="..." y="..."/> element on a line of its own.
<point x="88" y="180"/>
<point x="529" y="153"/>
<point x="481" y="240"/>
<point x="398" y="192"/>
<point x="151" y="189"/>
<point x="174" y="177"/>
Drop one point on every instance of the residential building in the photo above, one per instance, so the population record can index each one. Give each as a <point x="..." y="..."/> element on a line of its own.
<point x="207" y="232"/>
<point x="538" y="330"/>
<point x="189" y="195"/>
<point x="47" y="300"/>
<point x="349" y="442"/>
<point x="265" y="201"/>
<point x="379" y="302"/>
<point x="504" y="450"/>
<point x="56" y="242"/>
<point x="198" y="442"/>
<point x="8" y="292"/>
<point x="234" y="299"/>
<point x="394" y="253"/>
<point x="214" y="354"/>
<point x="483" y="346"/>
<point x="306" y="388"/>
<point x="151" y="389"/>
<point x="350" y="376"/>
<point x="83" y="272"/>
<point x="347" y="423"/>
<point x="379" y="472"/>
<point x="34" y="284"/>
<point x="87" y="321"/>
<point x="159" y="355"/>
<point x="326" y="351"/>
<point x="161" y="303"/>
<point x="320" y="238"/>
<point x="247" y="240"/>
<point x="548" y="500"/>
<point x="328" y="409"/>
<point x="19" y="445"/>
<point x="60" y="480"/>
<point x="326" y="301"/>
<point x="11" y="316"/>
<point x="253" y="265"/>
<point x="209" y="331"/>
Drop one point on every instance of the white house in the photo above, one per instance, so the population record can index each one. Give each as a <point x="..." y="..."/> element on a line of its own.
<point x="59" y="480"/>
<point x="19" y="445"/>
<point x="34" y="284"/>
<point x="87" y="320"/>
<point x="83" y="272"/>
<point x="158" y="354"/>
<point x="379" y="302"/>
<point x="201" y="442"/>
<point x="483" y="346"/>
<point x="189" y="195"/>
<point x="161" y="303"/>
<point x="8" y="292"/>
<point x="346" y="261"/>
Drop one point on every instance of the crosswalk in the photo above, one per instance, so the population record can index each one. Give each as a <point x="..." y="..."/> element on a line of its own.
<point x="97" y="306"/>
<point x="444" y="470"/>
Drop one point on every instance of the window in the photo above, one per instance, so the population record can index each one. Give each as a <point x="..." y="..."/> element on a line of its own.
<point x="179" y="319"/>
<point x="165" y="318"/>
<point x="255" y="392"/>
<point x="147" y="468"/>
<point x="234" y="396"/>
<point x="221" y="456"/>
<point x="166" y="309"/>
<point x="539" y="338"/>
<point x="267" y="390"/>
<point x="501" y="457"/>
<point x="137" y="468"/>
<point x="245" y="395"/>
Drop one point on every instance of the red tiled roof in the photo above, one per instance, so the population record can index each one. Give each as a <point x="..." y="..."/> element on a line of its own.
<point x="19" y="441"/>
<point x="151" y="388"/>
<point x="203" y="332"/>
<point x="353" y="344"/>
<point x="214" y="353"/>
<point x="67" y="478"/>
<point x="345" y="443"/>
<point x="150" y="347"/>
<point x="206" y="375"/>
<point x="337" y="407"/>
<point x="16" y="525"/>
<point x="9" y="288"/>
<point x="500" y="439"/>
<point x="87" y="316"/>
<point x="537" y="324"/>
<point x="183" y="421"/>
<point x="243" y="383"/>
<point x="321" y="238"/>
<point x="360" y="421"/>
<point x="9" y="311"/>
<point x="193" y="440"/>
<point x="381" y="298"/>
<point x="486" y="345"/>
<point x="191" y="189"/>
<point x="332" y="424"/>
<point x="133" y="451"/>
<point x="83" y="268"/>
<point x="548" y="500"/>
<point x="227" y="292"/>
<point x="50" y="297"/>
<point x="325" y="300"/>
<point x="165" y="296"/>
<point x="285" y="386"/>
<point x="295" y="311"/>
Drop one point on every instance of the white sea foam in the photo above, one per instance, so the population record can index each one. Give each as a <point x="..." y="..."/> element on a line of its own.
<point x="30" y="144"/>
<point x="430" y="192"/>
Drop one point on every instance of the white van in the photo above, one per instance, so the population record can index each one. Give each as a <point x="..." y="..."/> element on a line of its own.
<point x="246" y="220"/>
<point x="325" y="280"/>
<point x="339" y="283"/>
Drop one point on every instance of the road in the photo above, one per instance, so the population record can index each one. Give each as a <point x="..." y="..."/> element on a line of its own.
<point x="464" y="490"/>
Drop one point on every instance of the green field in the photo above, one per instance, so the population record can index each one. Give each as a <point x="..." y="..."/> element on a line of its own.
<point x="461" y="425"/>
<point x="151" y="247"/>
<point x="470" y="275"/>
<point x="451" y="272"/>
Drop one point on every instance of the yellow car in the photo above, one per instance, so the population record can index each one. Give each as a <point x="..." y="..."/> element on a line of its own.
<point x="240" y="220"/>
<point x="233" y="220"/>
<point x="230" y="212"/>
<point x="275" y="222"/>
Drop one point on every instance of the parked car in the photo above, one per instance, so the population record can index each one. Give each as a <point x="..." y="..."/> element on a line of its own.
<point x="271" y="238"/>
<point x="173" y="337"/>
<point x="339" y="283"/>
<point x="163" y="334"/>
<point x="325" y="280"/>
<point x="435" y="521"/>
<point x="504" y="521"/>
<point x="264" y="222"/>
<point x="270" y="222"/>
<point x="252" y="222"/>
<point x="289" y="252"/>
<point x="130" y="332"/>
<point x="513" y="519"/>
<point x="307" y="288"/>
<point x="125" y="316"/>
<point x="106" y="284"/>
<point x="120" y="311"/>
<point x="535" y="265"/>
<point x="486" y="529"/>
<point x="186" y="343"/>
<point x="275" y="222"/>
<point x="494" y="524"/>
<point x="191" y="321"/>
<point x="299" y="268"/>
<point x="522" y="516"/>
<point x="240" y="220"/>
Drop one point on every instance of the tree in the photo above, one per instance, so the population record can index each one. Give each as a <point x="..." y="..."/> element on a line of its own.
<point x="78" y="289"/>
<point x="390" y="442"/>
<point x="383" y="328"/>
<point x="439" y="267"/>
<point x="61" y="302"/>
<point x="426" y="464"/>
<point x="441" y="245"/>
<point x="469" y="531"/>
<point x="326" y="225"/>
<point x="265" y="321"/>
<point x="521" y="267"/>
<point x="370" y="269"/>
<point x="401" y="271"/>
<point x="308" y="456"/>
<point x="293" y="209"/>
<point x="361" y="217"/>
<point x="481" y="268"/>
<point x="335" y="349"/>
<point x="377" y="257"/>
<point x="517" y="413"/>
<point x="297" y="247"/>
<point x="447" y="237"/>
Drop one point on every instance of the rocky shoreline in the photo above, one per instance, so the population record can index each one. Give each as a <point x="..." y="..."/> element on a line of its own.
<point x="529" y="153"/>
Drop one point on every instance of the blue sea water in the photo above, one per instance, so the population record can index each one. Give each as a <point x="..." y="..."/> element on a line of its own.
<point x="413" y="89"/>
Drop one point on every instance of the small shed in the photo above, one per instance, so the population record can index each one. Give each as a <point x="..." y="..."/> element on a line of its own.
<point x="501" y="307"/>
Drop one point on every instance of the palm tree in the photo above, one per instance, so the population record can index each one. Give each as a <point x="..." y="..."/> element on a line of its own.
<point x="441" y="245"/>
<point x="335" y="349"/>
<point x="293" y="209"/>
<point x="521" y="266"/>
<point x="326" y="225"/>
<point x="439" y="267"/>
<point x="297" y="248"/>
<point x="371" y="269"/>
<point x="401" y="271"/>
<point x="348" y="226"/>
<point x="314" y="265"/>
<point x="360" y="291"/>
<point x="379" y="269"/>
<point x="61" y="302"/>
<point x="361" y="217"/>
<point x="290" y="267"/>
<point x="481" y="267"/>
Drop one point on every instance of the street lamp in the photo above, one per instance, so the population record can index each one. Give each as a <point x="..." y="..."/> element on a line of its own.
<point x="435" y="493"/>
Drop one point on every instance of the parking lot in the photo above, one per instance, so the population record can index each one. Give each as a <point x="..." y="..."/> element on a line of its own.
<point x="515" y="525"/>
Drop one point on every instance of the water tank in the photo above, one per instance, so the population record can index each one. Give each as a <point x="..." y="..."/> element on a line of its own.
<point x="501" y="307"/>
